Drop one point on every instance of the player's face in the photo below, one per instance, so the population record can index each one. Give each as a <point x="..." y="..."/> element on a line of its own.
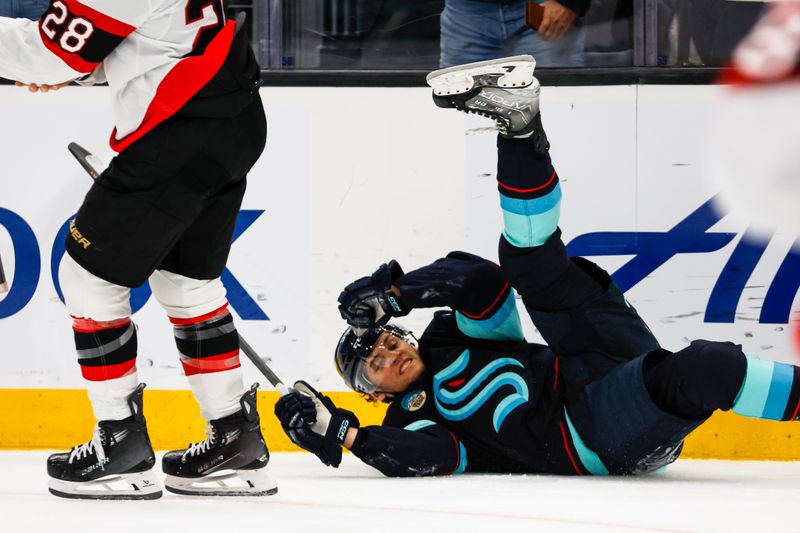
<point x="394" y="364"/>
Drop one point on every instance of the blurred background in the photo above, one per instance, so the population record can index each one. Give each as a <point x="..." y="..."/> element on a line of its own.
<point x="404" y="34"/>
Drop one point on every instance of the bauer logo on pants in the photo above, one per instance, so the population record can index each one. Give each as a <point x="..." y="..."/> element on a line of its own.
<point x="78" y="236"/>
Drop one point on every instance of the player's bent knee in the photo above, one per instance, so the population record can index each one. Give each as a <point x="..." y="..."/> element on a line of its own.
<point x="708" y="357"/>
<point x="91" y="297"/>
<point x="716" y="369"/>
<point x="183" y="297"/>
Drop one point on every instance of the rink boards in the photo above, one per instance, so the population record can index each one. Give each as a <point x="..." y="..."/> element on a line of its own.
<point x="354" y="177"/>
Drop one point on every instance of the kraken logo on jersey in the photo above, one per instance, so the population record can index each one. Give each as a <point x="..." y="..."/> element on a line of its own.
<point x="476" y="392"/>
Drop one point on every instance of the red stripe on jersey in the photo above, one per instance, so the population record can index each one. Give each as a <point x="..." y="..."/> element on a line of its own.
<point x="458" y="454"/>
<point x="106" y="372"/>
<point x="99" y="20"/>
<point x="555" y="379"/>
<point x="73" y="60"/>
<point x="209" y="365"/>
<point x="566" y="447"/>
<point x="87" y="325"/>
<point x="794" y="413"/>
<point x="202" y="318"/>
<point x="179" y="85"/>
<point x="481" y="315"/>
<point x="539" y="188"/>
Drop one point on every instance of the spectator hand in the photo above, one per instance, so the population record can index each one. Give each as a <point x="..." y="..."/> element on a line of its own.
<point x="371" y="300"/>
<point x="556" y="20"/>
<point x="34" y="88"/>
<point x="314" y="423"/>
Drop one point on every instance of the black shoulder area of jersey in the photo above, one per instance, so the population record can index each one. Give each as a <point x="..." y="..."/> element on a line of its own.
<point x="443" y="331"/>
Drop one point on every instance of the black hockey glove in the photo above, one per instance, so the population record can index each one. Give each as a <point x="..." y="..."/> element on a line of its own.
<point x="369" y="301"/>
<point x="314" y="423"/>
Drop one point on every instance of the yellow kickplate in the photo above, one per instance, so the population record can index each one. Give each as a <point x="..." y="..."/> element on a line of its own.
<point x="730" y="436"/>
<point x="59" y="419"/>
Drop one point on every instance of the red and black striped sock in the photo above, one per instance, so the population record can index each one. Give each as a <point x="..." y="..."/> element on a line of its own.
<point x="208" y="343"/>
<point x="106" y="350"/>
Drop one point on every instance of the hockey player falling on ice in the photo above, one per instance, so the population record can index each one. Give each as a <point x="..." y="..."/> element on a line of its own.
<point x="471" y="394"/>
<point x="189" y="126"/>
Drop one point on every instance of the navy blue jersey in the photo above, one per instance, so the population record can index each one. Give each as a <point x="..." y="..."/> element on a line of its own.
<point x="489" y="401"/>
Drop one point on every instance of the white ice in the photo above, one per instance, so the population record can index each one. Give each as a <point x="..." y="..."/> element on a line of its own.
<point x="689" y="496"/>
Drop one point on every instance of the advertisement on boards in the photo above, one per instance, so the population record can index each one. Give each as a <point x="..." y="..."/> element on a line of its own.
<point x="338" y="193"/>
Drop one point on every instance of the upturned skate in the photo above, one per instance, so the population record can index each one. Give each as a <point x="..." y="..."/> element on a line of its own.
<point x="503" y="90"/>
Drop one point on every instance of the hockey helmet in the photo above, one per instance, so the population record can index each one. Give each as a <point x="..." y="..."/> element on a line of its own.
<point x="355" y="347"/>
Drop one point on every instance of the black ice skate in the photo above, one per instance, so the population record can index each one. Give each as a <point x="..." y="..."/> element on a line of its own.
<point x="501" y="89"/>
<point x="117" y="464"/>
<point x="232" y="461"/>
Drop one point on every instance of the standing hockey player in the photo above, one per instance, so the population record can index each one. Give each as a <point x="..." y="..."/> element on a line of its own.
<point x="471" y="394"/>
<point x="189" y="126"/>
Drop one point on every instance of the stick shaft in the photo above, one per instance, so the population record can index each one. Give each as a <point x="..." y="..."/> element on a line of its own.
<point x="86" y="160"/>
<point x="262" y="366"/>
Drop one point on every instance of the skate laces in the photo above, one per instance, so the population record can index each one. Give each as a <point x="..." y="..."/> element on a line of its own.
<point x="94" y="446"/>
<point x="504" y="123"/>
<point x="197" y="448"/>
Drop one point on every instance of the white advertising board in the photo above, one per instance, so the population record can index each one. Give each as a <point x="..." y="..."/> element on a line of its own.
<point x="353" y="177"/>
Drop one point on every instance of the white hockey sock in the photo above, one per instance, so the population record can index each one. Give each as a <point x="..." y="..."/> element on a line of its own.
<point x="110" y="397"/>
<point x="218" y="393"/>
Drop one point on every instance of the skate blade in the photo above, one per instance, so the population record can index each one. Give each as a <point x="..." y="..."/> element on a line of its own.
<point x="135" y="486"/>
<point x="224" y="483"/>
<point x="461" y="78"/>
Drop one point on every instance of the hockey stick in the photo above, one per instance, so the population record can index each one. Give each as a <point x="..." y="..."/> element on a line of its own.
<point x="91" y="163"/>
<point x="87" y="160"/>
<point x="262" y="366"/>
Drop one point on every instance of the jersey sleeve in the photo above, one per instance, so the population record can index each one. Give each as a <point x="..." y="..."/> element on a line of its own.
<point x="410" y="445"/>
<point x="399" y="452"/>
<point x="472" y="286"/>
<point x="69" y="41"/>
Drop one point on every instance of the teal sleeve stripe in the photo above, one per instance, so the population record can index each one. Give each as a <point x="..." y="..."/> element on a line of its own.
<point x="752" y="398"/>
<point x="779" y="390"/>
<point x="462" y="463"/>
<point x="528" y="231"/>
<point x="419" y="424"/>
<point x="533" y="206"/>
<point x="504" y="325"/>
<point x="589" y="459"/>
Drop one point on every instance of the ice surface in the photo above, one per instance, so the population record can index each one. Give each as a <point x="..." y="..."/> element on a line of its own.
<point x="689" y="496"/>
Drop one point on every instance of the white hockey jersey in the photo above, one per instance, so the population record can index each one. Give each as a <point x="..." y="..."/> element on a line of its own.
<point x="154" y="54"/>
